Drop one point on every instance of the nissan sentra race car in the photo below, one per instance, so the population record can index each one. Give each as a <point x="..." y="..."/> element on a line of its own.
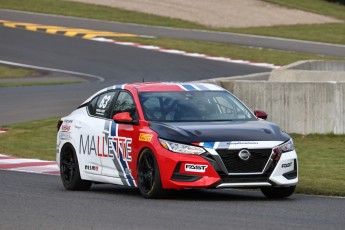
<point x="170" y="136"/>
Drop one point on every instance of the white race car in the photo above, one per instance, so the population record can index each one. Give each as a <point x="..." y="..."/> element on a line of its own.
<point x="164" y="136"/>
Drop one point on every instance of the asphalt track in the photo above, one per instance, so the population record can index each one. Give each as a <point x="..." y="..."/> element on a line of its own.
<point x="116" y="64"/>
<point x="223" y="37"/>
<point x="33" y="201"/>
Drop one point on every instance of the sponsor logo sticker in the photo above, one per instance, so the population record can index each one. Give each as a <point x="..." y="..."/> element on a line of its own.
<point x="287" y="165"/>
<point x="119" y="147"/>
<point x="195" y="168"/>
<point x="65" y="136"/>
<point x="91" y="167"/>
<point x="145" y="137"/>
<point x="243" y="143"/>
<point x="65" y="128"/>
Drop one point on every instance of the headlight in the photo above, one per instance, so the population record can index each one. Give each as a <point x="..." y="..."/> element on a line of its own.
<point x="283" y="148"/>
<point x="181" y="148"/>
<point x="286" y="147"/>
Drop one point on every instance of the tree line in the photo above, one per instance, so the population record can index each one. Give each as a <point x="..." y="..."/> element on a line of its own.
<point x="339" y="1"/>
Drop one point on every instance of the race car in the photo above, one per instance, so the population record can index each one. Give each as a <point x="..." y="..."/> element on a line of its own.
<point x="160" y="137"/>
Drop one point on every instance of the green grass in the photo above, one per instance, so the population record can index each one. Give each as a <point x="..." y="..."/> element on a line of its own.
<point x="330" y="33"/>
<point x="231" y="51"/>
<point x="8" y="72"/>
<point x="12" y="72"/>
<point x="34" y="139"/>
<point x="16" y="84"/>
<point x="315" y="6"/>
<point x="321" y="157"/>
<point x="321" y="164"/>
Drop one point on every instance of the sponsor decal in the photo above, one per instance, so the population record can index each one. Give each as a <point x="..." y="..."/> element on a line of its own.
<point x="195" y="168"/>
<point x="65" y="128"/>
<point x="100" y="112"/>
<point x="145" y="137"/>
<point x="91" y="167"/>
<point x="287" y="165"/>
<point x="243" y="143"/>
<point x="119" y="147"/>
<point x="68" y="121"/>
<point x="65" y="136"/>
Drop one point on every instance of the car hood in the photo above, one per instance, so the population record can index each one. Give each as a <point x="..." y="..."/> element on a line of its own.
<point x="191" y="132"/>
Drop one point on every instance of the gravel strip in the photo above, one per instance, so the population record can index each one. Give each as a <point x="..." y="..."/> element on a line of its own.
<point x="220" y="13"/>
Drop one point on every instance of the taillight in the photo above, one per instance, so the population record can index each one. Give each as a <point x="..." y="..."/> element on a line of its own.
<point x="59" y="125"/>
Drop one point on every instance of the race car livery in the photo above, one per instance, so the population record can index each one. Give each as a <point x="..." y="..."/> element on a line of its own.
<point x="169" y="136"/>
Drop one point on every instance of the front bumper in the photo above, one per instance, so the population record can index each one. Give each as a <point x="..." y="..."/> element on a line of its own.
<point x="179" y="171"/>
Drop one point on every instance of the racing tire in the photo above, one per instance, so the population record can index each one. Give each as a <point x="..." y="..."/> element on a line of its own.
<point x="149" y="181"/>
<point x="69" y="170"/>
<point x="278" y="192"/>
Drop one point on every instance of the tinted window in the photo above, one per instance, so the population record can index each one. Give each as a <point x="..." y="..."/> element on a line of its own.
<point x="125" y="103"/>
<point x="100" y="105"/>
<point x="193" y="106"/>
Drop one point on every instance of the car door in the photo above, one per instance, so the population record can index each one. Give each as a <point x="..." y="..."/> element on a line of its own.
<point x="121" y="141"/>
<point x="93" y="138"/>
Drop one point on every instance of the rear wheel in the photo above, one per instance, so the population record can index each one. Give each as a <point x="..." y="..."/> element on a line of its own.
<point x="69" y="170"/>
<point x="149" y="181"/>
<point x="278" y="192"/>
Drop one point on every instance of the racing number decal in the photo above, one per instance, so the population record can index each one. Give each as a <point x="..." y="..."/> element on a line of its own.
<point x="104" y="102"/>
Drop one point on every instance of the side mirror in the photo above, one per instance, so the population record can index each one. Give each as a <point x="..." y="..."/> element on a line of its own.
<point x="260" y="114"/>
<point x="123" y="117"/>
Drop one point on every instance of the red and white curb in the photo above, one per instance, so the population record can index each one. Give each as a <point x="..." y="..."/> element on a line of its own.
<point x="3" y="130"/>
<point x="184" y="53"/>
<point x="28" y="165"/>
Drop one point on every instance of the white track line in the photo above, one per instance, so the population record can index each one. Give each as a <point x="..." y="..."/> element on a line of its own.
<point x="51" y="69"/>
<point x="184" y="53"/>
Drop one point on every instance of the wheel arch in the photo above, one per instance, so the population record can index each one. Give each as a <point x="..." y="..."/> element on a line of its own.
<point x="66" y="145"/>
<point x="143" y="149"/>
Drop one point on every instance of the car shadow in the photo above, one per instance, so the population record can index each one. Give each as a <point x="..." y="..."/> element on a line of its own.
<point x="188" y="194"/>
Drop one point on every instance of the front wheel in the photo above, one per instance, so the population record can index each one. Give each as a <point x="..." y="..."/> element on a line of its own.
<point x="69" y="170"/>
<point x="149" y="181"/>
<point x="278" y="192"/>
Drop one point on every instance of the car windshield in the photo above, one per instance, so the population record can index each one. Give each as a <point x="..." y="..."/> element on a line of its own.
<point x="185" y="106"/>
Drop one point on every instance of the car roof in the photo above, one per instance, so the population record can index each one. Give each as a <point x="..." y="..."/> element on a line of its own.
<point x="161" y="87"/>
<point x="172" y="86"/>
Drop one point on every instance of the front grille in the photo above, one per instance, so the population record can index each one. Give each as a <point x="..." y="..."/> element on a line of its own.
<point x="255" y="164"/>
<point x="245" y="178"/>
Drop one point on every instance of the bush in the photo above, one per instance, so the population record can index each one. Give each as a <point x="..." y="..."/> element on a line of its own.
<point x="339" y="1"/>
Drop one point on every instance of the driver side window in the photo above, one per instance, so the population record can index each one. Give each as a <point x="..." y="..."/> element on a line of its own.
<point x="125" y="103"/>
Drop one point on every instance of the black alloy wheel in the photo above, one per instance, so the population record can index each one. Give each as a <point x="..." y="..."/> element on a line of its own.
<point x="69" y="170"/>
<point x="149" y="182"/>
